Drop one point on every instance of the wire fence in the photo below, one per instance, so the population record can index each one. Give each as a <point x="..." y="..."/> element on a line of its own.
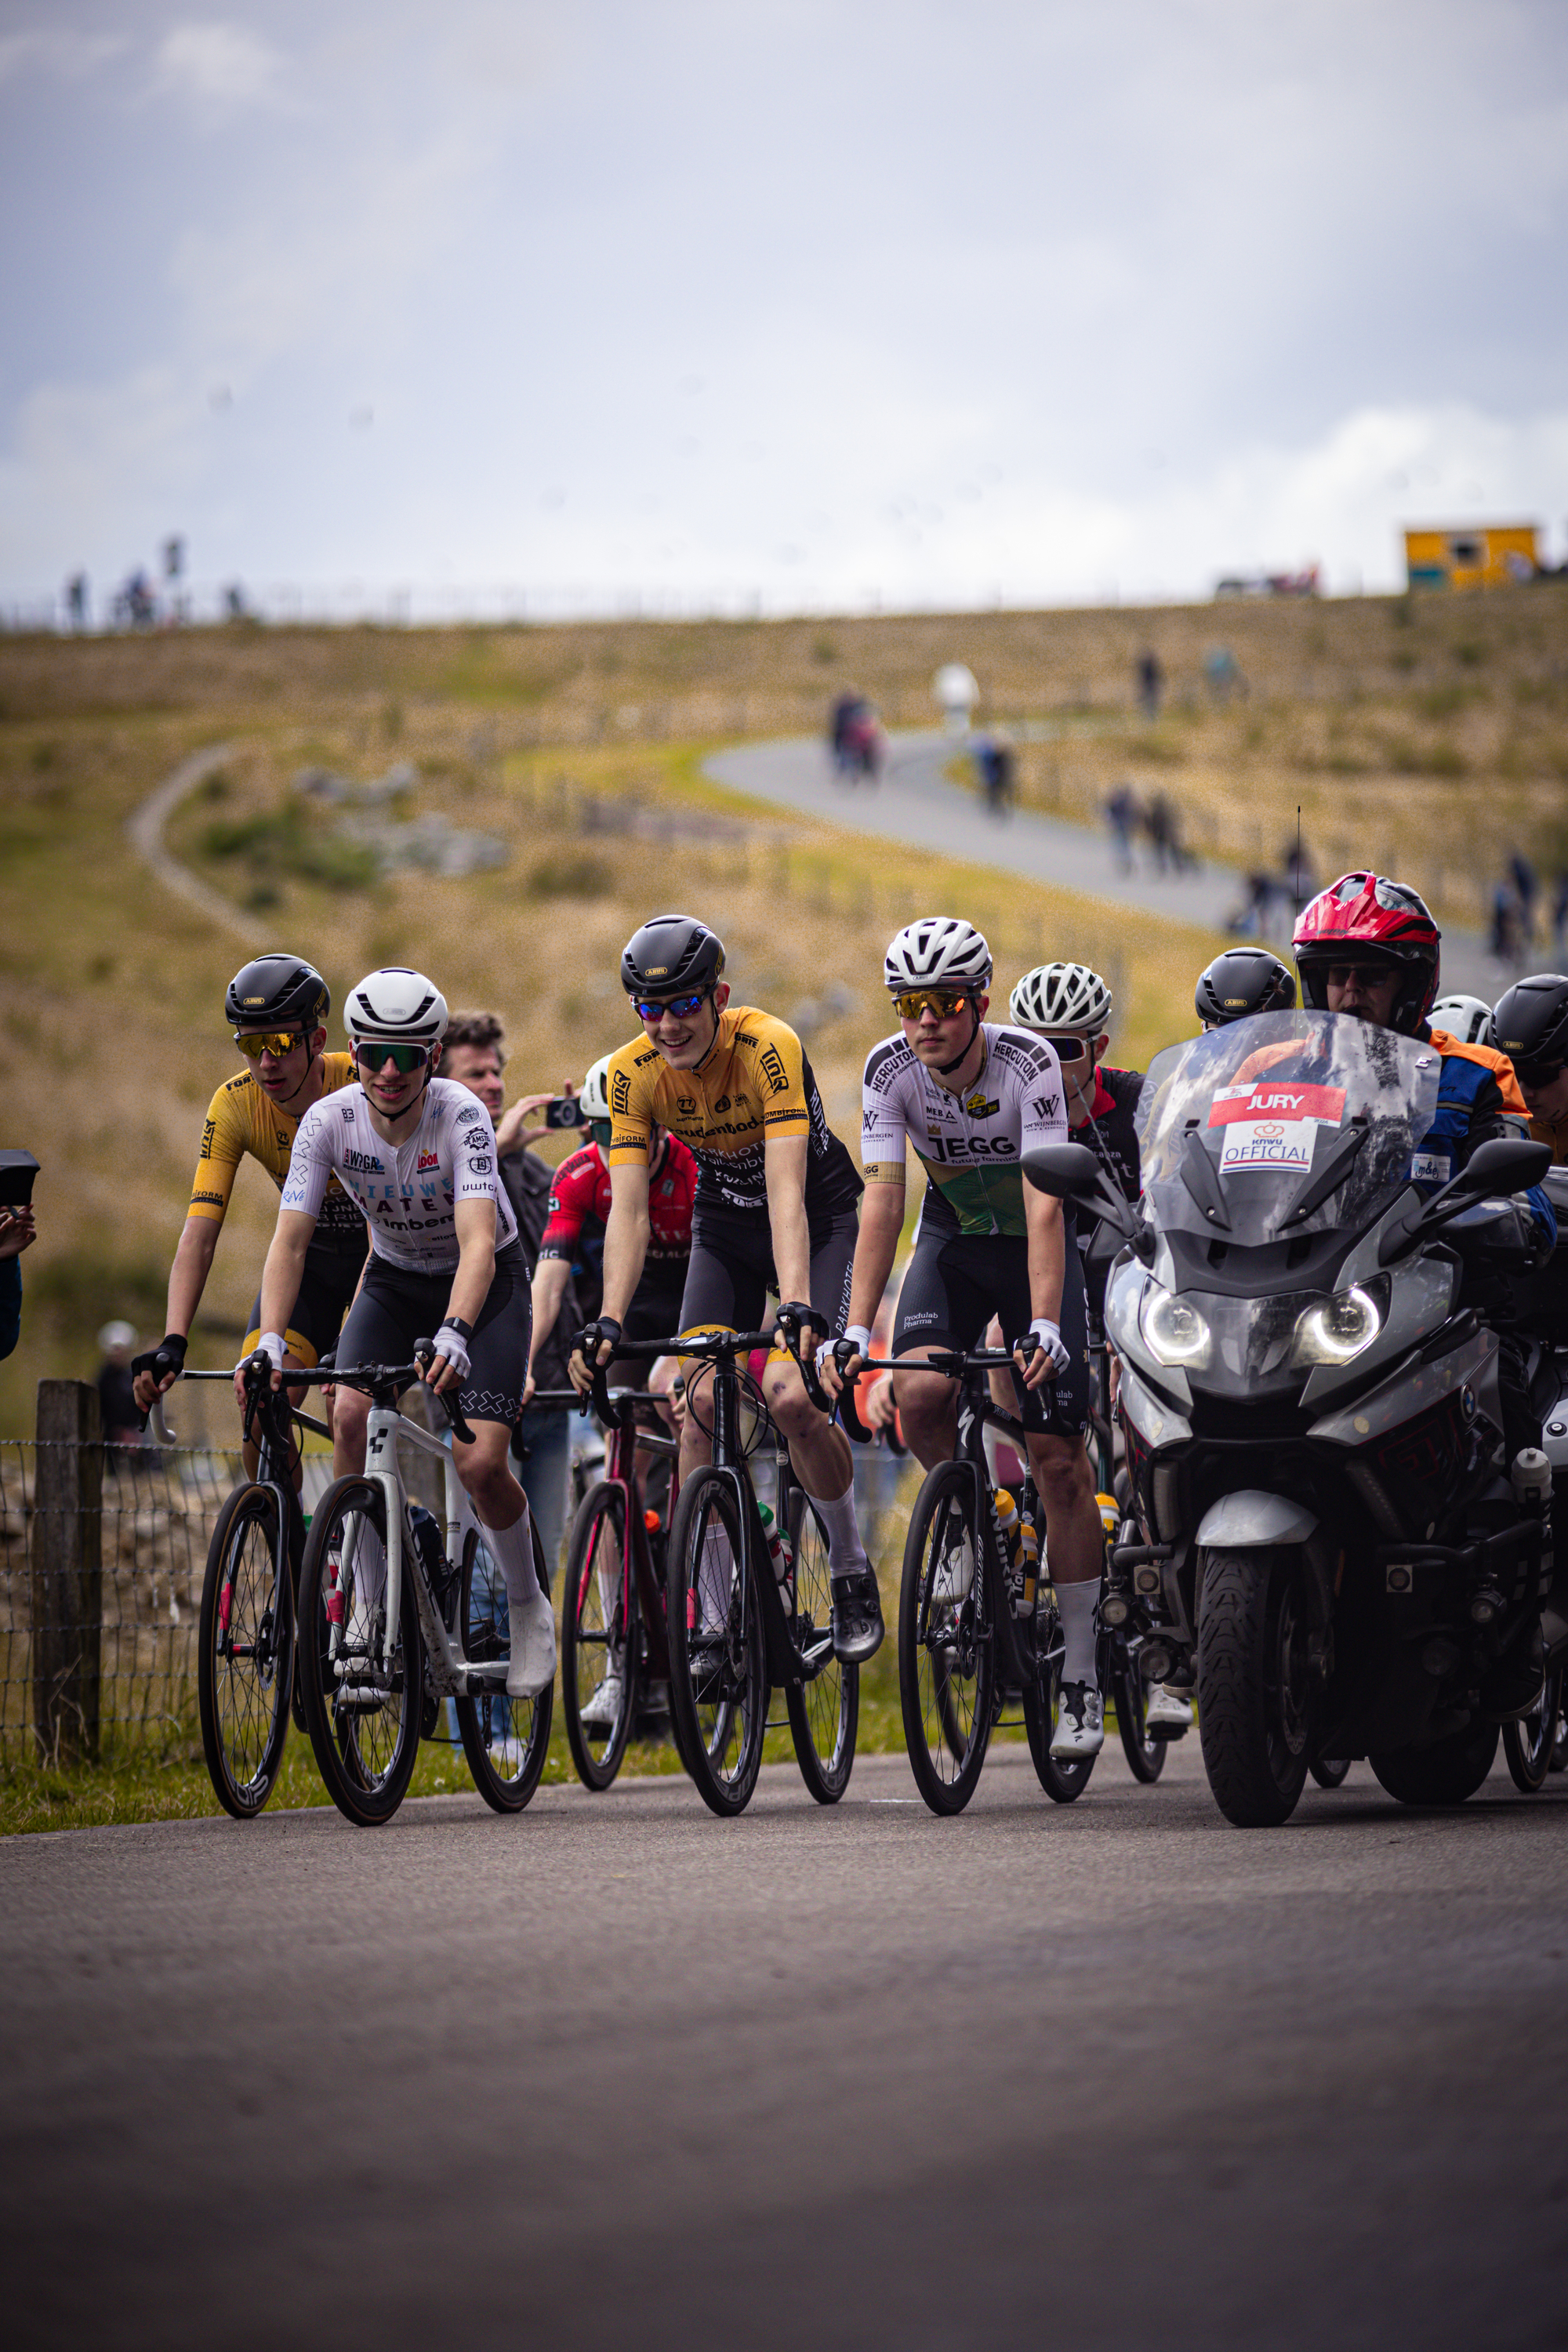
<point x="100" y="1600"/>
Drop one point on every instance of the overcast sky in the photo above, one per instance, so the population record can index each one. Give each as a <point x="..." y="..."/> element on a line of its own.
<point x="821" y="305"/>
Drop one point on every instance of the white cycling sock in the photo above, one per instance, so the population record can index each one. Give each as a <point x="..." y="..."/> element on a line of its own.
<point x="512" y="1548"/>
<point x="845" y="1552"/>
<point x="715" y="1575"/>
<point x="1077" y="1604"/>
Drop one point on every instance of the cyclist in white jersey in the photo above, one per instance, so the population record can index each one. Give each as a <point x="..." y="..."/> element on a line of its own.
<point x="419" y="1155"/>
<point x="973" y="1096"/>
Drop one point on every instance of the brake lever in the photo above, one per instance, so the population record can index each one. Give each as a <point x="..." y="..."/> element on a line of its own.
<point x="425" y="1355"/>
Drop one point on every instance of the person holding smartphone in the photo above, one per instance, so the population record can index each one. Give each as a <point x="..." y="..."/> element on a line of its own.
<point x="19" y="1230"/>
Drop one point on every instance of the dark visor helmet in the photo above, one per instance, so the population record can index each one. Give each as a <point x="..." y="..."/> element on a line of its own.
<point x="671" y="955"/>
<point x="1243" y="981"/>
<point x="276" y="992"/>
<point x="1364" y="919"/>
<point x="1529" y="1024"/>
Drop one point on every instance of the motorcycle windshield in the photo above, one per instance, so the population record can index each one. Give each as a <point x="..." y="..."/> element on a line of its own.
<point x="1247" y="1121"/>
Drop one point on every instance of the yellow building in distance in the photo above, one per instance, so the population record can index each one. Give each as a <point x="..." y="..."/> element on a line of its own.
<point x="1477" y="555"/>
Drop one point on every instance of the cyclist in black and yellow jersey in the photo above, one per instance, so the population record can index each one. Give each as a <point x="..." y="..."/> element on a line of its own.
<point x="278" y="1007"/>
<point x="774" y="1212"/>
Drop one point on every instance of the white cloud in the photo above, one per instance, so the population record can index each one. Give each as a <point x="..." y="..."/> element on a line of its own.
<point x="219" y="66"/>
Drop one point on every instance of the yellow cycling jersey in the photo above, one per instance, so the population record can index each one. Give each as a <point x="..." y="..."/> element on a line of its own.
<point x="753" y="1082"/>
<point x="1554" y="1131"/>
<point x="242" y="1119"/>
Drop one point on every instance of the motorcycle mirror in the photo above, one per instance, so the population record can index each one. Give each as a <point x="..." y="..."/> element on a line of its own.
<point x="1507" y="1164"/>
<point x="1070" y="1171"/>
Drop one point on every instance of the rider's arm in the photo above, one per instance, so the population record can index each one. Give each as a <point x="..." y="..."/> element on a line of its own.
<point x="1047" y="1268"/>
<point x="474" y="1222"/>
<point x="188" y="1274"/>
<point x="626" y="1237"/>
<point x="224" y="1138"/>
<point x="881" y="1222"/>
<point x="784" y="1163"/>
<point x="285" y="1268"/>
<point x="550" y="1280"/>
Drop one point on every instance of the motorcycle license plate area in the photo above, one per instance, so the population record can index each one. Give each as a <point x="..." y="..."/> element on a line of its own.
<point x="1269" y="1098"/>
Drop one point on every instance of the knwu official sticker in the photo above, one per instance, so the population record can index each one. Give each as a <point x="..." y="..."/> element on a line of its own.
<point x="1270" y="1123"/>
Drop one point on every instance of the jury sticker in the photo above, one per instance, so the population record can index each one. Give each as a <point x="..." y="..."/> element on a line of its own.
<point x="1277" y="1099"/>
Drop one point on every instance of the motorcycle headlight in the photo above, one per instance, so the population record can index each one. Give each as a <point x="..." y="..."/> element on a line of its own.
<point x="1336" y="1328"/>
<point x="1174" y="1331"/>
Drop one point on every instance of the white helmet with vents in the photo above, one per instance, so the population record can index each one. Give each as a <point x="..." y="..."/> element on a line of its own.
<point x="1464" y="1017"/>
<point x="937" y="951"/>
<point x="594" y="1097"/>
<point x="396" y="1006"/>
<point x="1062" y="996"/>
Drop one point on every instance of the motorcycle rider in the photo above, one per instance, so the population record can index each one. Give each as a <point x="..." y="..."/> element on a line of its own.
<point x="1368" y="947"/>
<point x="1240" y="982"/>
<point x="1467" y="1018"/>
<point x="1530" y="1025"/>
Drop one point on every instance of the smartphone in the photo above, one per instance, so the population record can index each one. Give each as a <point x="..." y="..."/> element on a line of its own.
<point x="17" y="1170"/>
<point x="565" y="1110"/>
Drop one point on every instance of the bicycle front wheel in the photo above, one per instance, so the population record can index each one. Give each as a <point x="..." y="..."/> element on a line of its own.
<point x="362" y="1707"/>
<point x="1145" y="1756"/>
<point x="1062" y="1779"/>
<point x="718" y="1651"/>
<point x="946" y="1667"/>
<point x="505" y="1739"/>
<point x="245" y="1658"/>
<point x="825" y="1711"/>
<point x="599" y="1666"/>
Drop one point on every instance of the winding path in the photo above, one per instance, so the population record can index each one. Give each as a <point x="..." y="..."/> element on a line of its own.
<point x="145" y="828"/>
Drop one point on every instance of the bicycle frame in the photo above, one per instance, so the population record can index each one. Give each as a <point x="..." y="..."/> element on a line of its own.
<point x="451" y="1672"/>
<point x="623" y="1438"/>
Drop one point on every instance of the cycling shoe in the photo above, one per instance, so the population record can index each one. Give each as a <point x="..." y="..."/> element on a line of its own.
<point x="1080" y="1724"/>
<point x="858" y="1627"/>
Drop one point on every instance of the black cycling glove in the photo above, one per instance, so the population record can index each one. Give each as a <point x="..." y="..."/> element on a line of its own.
<point x="794" y="1318"/>
<point x="168" y="1356"/>
<point x="592" y="1338"/>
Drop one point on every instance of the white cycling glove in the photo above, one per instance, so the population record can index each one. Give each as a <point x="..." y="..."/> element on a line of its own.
<point x="857" y="1332"/>
<point x="452" y="1344"/>
<point x="1043" y="1329"/>
<point x="271" y="1343"/>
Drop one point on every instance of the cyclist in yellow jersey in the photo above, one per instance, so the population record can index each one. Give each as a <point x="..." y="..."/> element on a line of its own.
<point x="278" y="1007"/>
<point x="774" y="1212"/>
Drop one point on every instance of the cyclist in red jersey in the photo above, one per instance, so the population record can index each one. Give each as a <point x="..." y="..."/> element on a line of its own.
<point x="574" y="1231"/>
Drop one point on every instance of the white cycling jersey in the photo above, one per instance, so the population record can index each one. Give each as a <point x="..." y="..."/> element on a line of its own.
<point x="970" y="1144"/>
<point x="407" y="1193"/>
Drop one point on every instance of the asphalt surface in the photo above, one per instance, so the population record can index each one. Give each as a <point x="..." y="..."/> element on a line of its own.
<point x="615" y="2072"/>
<point x="914" y="804"/>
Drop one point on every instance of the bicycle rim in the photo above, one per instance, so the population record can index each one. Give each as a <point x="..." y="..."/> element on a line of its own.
<point x="598" y="1634"/>
<point x="505" y="1739"/>
<point x="363" y="1708"/>
<point x="946" y="1668"/>
<point x="825" y="1710"/>
<point x="1062" y="1779"/>
<point x="719" y="1684"/>
<point x="246" y="1654"/>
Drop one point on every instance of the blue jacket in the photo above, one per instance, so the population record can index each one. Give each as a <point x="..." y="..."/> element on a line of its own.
<point x="1478" y="1098"/>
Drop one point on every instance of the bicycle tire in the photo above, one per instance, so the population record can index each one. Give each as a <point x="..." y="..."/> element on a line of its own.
<point x="1063" y="1782"/>
<point x="366" y="1775"/>
<point x="947" y="1716"/>
<point x="724" y="1722"/>
<point x="1528" y="1744"/>
<point x="1330" y="1771"/>
<point x="522" y="1724"/>
<point x="243" y="1739"/>
<point x="1130" y="1693"/>
<point x="824" y="1712"/>
<point x="587" y="1646"/>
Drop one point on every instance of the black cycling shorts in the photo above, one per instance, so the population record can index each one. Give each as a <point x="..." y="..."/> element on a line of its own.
<point x="957" y="1282"/>
<point x="326" y="1287"/>
<point x="396" y="1308"/>
<point x="654" y="1311"/>
<point x="732" y="1271"/>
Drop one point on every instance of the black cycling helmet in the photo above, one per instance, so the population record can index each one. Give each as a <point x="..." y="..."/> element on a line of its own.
<point x="670" y="955"/>
<point x="1529" y="1024"/>
<point x="277" y="990"/>
<point x="1243" y="981"/>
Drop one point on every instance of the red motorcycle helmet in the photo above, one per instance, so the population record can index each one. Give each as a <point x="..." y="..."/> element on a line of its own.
<point x="1364" y="919"/>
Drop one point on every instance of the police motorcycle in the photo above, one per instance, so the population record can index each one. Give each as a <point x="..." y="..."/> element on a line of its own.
<point x="1333" y="1550"/>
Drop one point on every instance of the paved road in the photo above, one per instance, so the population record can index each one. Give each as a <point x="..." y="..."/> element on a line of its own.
<point x="915" y="804"/>
<point x="1115" y="2075"/>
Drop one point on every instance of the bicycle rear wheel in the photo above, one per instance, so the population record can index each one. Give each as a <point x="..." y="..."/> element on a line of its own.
<point x="364" y="1721"/>
<point x="718" y="1656"/>
<point x="246" y="1654"/>
<point x="946" y="1669"/>
<point x="1145" y="1756"/>
<point x="824" y="1712"/>
<point x="598" y="1634"/>
<point x="1527" y="1745"/>
<point x="505" y="1739"/>
<point x="1062" y="1779"/>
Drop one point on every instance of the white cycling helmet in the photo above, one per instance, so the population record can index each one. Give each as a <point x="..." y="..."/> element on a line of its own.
<point x="1464" y="1017"/>
<point x="396" y="1006"/>
<point x="937" y="950"/>
<point x="1062" y="996"/>
<point x="595" y="1094"/>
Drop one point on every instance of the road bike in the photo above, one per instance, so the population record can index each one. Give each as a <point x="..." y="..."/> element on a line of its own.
<point x="743" y="1620"/>
<point x="973" y="1637"/>
<point x="391" y="1625"/>
<point x="245" y="1656"/>
<point x="613" y="1637"/>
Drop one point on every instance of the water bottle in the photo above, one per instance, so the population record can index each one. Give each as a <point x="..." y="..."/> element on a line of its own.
<point x="778" y="1551"/>
<point x="1029" y="1564"/>
<point x="1012" y="1546"/>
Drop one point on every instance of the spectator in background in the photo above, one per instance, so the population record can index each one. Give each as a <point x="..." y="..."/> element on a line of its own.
<point x="119" y="1412"/>
<point x="1124" y="811"/>
<point x="1225" y="676"/>
<point x="1526" y="889"/>
<point x="18" y="1232"/>
<point x="1560" y="918"/>
<point x="1503" y="936"/>
<point x="1151" y="682"/>
<point x="472" y="1055"/>
<point x="76" y="601"/>
<point x="1163" y="822"/>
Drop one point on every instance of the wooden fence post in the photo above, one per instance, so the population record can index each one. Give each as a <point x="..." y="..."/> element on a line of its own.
<point x="67" y="1572"/>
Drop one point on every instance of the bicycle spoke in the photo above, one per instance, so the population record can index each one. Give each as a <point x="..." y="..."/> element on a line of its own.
<point x="244" y="1668"/>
